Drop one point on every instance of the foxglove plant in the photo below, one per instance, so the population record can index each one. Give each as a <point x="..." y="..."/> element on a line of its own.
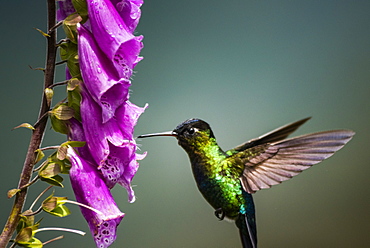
<point x="101" y="52"/>
<point x="107" y="52"/>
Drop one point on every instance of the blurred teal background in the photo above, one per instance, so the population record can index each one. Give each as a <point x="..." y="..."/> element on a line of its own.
<point x="246" y="67"/>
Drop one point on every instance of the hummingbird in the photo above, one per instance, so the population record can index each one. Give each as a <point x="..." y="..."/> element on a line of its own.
<point x="227" y="179"/>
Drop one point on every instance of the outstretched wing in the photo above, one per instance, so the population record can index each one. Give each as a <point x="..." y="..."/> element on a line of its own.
<point x="272" y="163"/>
<point x="273" y="136"/>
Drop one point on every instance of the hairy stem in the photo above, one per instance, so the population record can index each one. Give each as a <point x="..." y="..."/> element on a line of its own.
<point x="37" y="134"/>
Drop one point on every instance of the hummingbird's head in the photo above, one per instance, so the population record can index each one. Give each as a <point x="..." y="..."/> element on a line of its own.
<point x="191" y="134"/>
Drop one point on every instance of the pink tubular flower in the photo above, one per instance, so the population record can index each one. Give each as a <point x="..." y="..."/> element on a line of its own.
<point x="113" y="34"/>
<point x="129" y="11"/>
<point x="111" y="143"/>
<point x="90" y="190"/>
<point x="100" y="76"/>
<point x="107" y="54"/>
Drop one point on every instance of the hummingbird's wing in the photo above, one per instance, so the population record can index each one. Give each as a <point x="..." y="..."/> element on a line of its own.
<point x="272" y="163"/>
<point x="273" y="136"/>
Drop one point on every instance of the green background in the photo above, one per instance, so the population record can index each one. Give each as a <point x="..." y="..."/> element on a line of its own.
<point x="246" y="67"/>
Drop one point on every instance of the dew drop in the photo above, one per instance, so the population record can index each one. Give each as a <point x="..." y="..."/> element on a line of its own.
<point x="98" y="69"/>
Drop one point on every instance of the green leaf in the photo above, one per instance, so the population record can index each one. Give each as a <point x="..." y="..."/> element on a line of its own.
<point x="37" y="69"/>
<point x="12" y="192"/>
<point x="62" y="152"/>
<point x="32" y="243"/>
<point x="73" y="19"/>
<point x="71" y="32"/>
<point x="74" y="100"/>
<point x="54" y="206"/>
<point x="81" y="8"/>
<point x="73" y="65"/>
<point x="60" y="211"/>
<point x="55" y="180"/>
<point x="56" y="158"/>
<point x="42" y="32"/>
<point x="74" y="143"/>
<point x="26" y="125"/>
<point x="26" y="221"/>
<point x="59" y="115"/>
<point x="62" y="112"/>
<point x="63" y="50"/>
<point x="70" y="26"/>
<point x="68" y="50"/>
<point x="58" y="125"/>
<point x="73" y="83"/>
<point x="39" y="155"/>
<point x="24" y="235"/>
<point x="50" y="170"/>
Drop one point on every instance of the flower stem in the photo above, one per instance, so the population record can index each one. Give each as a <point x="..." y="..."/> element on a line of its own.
<point x="83" y="205"/>
<point x="37" y="134"/>
<point x="52" y="240"/>
<point x="60" y="229"/>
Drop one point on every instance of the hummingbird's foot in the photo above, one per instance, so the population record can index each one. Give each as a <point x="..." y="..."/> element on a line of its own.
<point x="220" y="214"/>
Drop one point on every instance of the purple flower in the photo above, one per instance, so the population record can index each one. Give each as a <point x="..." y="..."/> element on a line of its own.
<point x="129" y="11"/>
<point x="113" y="34"/>
<point x="100" y="76"/>
<point x="111" y="143"/>
<point x="65" y="9"/>
<point x="91" y="190"/>
<point x="107" y="54"/>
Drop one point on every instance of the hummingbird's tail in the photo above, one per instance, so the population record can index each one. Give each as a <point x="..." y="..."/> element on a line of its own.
<point x="247" y="230"/>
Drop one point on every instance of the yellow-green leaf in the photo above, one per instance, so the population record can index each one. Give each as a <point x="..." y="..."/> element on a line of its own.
<point x="28" y="220"/>
<point x="39" y="155"/>
<point x="73" y="83"/>
<point x="74" y="143"/>
<point x="32" y="243"/>
<point x="50" y="170"/>
<point x="24" y="235"/>
<point x="55" y="180"/>
<point x="73" y="19"/>
<point x="81" y="7"/>
<point x="12" y="192"/>
<point x="54" y="206"/>
<point x="26" y="125"/>
<point x="58" y="125"/>
<point x="42" y="32"/>
<point x="63" y="112"/>
<point x="62" y="152"/>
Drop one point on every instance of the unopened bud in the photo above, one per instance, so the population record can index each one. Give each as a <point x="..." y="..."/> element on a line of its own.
<point x="49" y="93"/>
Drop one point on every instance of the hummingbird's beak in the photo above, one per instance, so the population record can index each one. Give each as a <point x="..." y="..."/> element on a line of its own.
<point x="170" y="133"/>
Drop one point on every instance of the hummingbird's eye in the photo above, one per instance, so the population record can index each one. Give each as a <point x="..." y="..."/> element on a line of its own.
<point x="191" y="131"/>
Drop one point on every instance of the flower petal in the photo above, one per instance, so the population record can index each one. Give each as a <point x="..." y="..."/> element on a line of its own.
<point x="90" y="189"/>
<point x="130" y="12"/>
<point x="76" y="133"/>
<point x="100" y="76"/>
<point x="117" y="162"/>
<point x="128" y="175"/>
<point x="114" y="37"/>
<point x="127" y="116"/>
<point x="111" y="144"/>
<point x="93" y="127"/>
